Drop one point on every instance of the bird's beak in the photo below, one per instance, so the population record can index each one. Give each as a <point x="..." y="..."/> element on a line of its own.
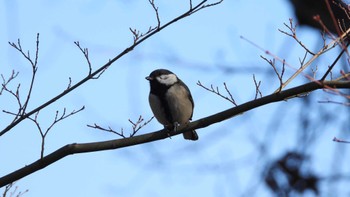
<point x="149" y="78"/>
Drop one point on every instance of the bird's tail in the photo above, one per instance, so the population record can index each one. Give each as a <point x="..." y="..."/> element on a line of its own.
<point x="191" y="135"/>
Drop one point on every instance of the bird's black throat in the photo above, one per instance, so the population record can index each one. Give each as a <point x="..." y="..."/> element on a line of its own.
<point x="160" y="91"/>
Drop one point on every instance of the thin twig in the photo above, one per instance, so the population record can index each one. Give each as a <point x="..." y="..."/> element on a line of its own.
<point x="155" y="8"/>
<point x="85" y="52"/>
<point x="217" y="92"/>
<point x="57" y="119"/>
<point x="336" y="102"/>
<point x="334" y="62"/>
<point x="136" y="126"/>
<point x="109" y="63"/>
<point x="229" y="92"/>
<point x="273" y="65"/>
<point x="95" y="126"/>
<point x="5" y="82"/>
<point x="69" y="83"/>
<point x="206" y="6"/>
<point x="34" y="70"/>
<point x="340" y="140"/>
<point x="293" y="34"/>
<point x="34" y="65"/>
<point x="14" y="191"/>
<point x="257" y="88"/>
<point x="328" y="47"/>
<point x="16" y="94"/>
<point x="302" y="61"/>
<point x="344" y="76"/>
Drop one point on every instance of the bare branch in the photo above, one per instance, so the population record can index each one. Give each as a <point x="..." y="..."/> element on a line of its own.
<point x="257" y="88"/>
<point x="344" y="76"/>
<point x="229" y="92"/>
<point x="292" y="28"/>
<point x="95" y="126"/>
<point x="317" y="18"/>
<point x="161" y="134"/>
<point x="137" y="34"/>
<point x="155" y="8"/>
<point x="63" y="116"/>
<point x="136" y="126"/>
<point x="97" y="72"/>
<point x="16" y="94"/>
<point x="197" y="8"/>
<point x="34" y="65"/>
<point x="328" y="47"/>
<point x="302" y="61"/>
<point x="336" y="102"/>
<point x="14" y="192"/>
<point x="69" y="83"/>
<point x="56" y="120"/>
<point x="340" y="140"/>
<point x="334" y="62"/>
<point x="18" y="47"/>
<point x="5" y="82"/>
<point x="85" y="52"/>
<point x="273" y="65"/>
<point x="314" y="71"/>
<point x="217" y="92"/>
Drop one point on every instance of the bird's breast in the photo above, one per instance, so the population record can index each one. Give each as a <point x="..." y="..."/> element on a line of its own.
<point x="179" y="104"/>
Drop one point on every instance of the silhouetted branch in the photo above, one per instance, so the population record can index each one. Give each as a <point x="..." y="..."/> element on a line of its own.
<point x="136" y="126"/>
<point x="257" y="88"/>
<point x="273" y="65"/>
<point x="328" y="47"/>
<point x="5" y="82"/>
<point x="34" y="65"/>
<point x="217" y="92"/>
<point x="336" y="102"/>
<point x="162" y="134"/>
<point x="56" y="120"/>
<point x="97" y="72"/>
<point x="334" y="62"/>
<point x="109" y="129"/>
<point x="155" y="8"/>
<point x="14" y="192"/>
<point x="340" y="140"/>
<point x="292" y="28"/>
<point x="85" y="52"/>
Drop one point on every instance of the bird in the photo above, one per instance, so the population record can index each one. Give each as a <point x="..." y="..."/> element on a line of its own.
<point x="171" y="101"/>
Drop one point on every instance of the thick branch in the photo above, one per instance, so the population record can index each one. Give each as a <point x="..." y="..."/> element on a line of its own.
<point x="154" y="136"/>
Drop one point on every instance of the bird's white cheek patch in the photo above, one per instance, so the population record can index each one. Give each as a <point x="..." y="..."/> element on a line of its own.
<point x="168" y="79"/>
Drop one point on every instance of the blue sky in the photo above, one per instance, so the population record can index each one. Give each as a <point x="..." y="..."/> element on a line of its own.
<point x="224" y="162"/>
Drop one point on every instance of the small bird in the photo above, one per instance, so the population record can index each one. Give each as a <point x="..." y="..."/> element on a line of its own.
<point x="171" y="101"/>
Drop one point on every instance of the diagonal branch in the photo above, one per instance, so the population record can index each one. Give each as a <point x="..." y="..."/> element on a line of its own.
<point x="75" y="148"/>
<point x="192" y="10"/>
<point x="326" y="48"/>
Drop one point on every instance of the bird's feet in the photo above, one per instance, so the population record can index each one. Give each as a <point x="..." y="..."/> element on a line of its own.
<point x="172" y="128"/>
<point x="176" y="125"/>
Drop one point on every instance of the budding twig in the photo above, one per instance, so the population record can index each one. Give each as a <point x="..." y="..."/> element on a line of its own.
<point x="217" y="92"/>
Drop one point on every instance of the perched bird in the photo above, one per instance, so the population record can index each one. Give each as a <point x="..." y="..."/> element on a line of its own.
<point x="171" y="101"/>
